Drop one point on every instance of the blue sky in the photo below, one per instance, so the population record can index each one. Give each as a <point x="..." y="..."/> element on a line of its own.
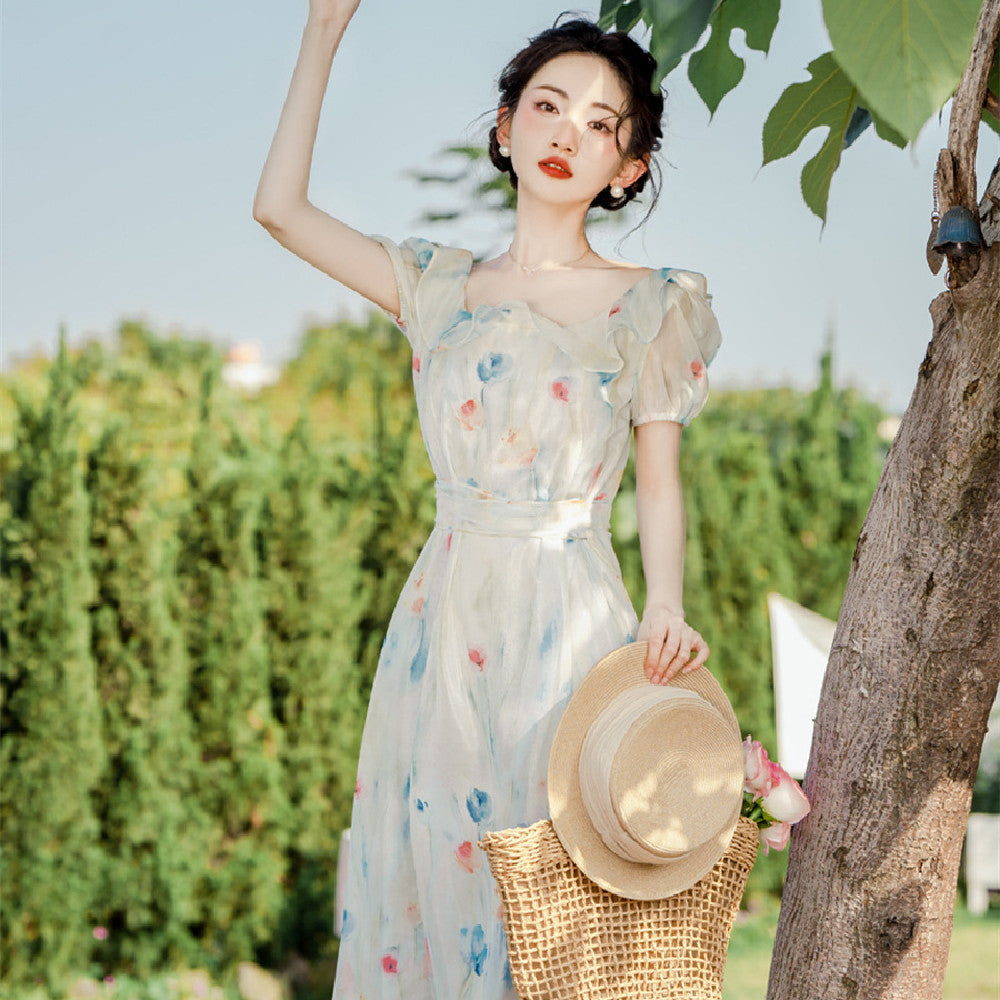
<point x="134" y="133"/>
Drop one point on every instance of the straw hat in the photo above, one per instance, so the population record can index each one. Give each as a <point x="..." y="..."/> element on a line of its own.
<point x="645" y="781"/>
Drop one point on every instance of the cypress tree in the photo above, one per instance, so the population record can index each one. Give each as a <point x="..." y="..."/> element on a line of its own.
<point x="736" y="556"/>
<point x="51" y="755"/>
<point x="827" y="474"/>
<point x="310" y="573"/>
<point x="240" y="786"/>
<point x="153" y="833"/>
<point x="398" y="497"/>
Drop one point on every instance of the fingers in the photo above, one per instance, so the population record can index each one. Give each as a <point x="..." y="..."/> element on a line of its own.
<point x="668" y="635"/>
<point x="673" y="648"/>
<point x="700" y="649"/>
<point x="654" y="638"/>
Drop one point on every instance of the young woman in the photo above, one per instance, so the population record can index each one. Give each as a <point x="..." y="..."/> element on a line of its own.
<point x="530" y="372"/>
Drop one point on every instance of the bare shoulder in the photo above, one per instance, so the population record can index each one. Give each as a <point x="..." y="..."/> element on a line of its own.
<point x="621" y="275"/>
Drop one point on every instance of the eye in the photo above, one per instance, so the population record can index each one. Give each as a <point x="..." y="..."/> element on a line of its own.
<point x="545" y="106"/>
<point x="600" y="126"/>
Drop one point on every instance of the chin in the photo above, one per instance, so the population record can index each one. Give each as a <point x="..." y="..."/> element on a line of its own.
<point x="552" y="194"/>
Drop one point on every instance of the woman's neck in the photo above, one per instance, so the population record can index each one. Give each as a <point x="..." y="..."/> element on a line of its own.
<point x="548" y="235"/>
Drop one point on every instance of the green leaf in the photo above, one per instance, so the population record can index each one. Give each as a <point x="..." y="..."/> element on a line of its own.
<point x="885" y="131"/>
<point x="676" y="27"/>
<point x="628" y="15"/>
<point x="715" y="69"/>
<point x="905" y="56"/>
<point x="860" y="121"/>
<point x="827" y="98"/>
<point x="606" y="18"/>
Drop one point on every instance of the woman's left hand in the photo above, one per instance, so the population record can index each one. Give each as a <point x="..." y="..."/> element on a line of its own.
<point x="674" y="647"/>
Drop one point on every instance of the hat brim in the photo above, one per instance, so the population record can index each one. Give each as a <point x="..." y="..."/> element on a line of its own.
<point x="619" y="671"/>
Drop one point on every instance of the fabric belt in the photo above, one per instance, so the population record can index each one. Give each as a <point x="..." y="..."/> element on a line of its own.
<point x="465" y="508"/>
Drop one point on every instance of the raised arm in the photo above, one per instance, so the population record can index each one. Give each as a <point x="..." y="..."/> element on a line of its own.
<point x="282" y="204"/>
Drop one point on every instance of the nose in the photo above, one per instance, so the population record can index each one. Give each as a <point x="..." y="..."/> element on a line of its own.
<point x="565" y="137"/>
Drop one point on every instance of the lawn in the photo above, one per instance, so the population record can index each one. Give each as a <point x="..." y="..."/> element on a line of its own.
<point x="973" y="961"/>
<point x="973" y="968"/>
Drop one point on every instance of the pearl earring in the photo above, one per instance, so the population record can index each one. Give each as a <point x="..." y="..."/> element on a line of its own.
<point x="505" y="150"/>
<point x="617" y="191"/>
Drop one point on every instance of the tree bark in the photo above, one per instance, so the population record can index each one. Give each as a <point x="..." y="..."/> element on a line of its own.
<point x="868" y="902"/>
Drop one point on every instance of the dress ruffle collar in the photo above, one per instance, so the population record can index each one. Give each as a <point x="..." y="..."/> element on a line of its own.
<point x="597" y="344"/>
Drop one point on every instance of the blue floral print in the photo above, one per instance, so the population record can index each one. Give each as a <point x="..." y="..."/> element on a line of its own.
<point x="475" y="950"/>
<point x="479" y="804"/>
<point x="493" y="366"/>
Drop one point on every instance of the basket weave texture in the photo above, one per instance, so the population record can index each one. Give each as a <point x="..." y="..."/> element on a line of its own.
<point x="570" y="939"/>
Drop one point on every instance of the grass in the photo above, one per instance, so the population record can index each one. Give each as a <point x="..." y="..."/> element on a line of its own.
<point x="973" y="960"/>
<point x="973" y="971"/>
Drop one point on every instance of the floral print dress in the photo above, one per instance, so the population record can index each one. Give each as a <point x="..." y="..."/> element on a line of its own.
<point x="516" y="594"/>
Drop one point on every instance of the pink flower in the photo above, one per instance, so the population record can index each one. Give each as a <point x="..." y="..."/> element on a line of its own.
<point x="759" y="780"/>
<point x="101" y="933"/>
<point x="467" y="857"/>
<point x="417" y="605"/>
<point x="614" y="311"/>
<point x="560" y="389"/>
<point x="470" y="415"/>
<point x="786" y="801"/>
<point x="416" y="363"/>
<point x="358" y="789"/>
<point x="515" y="449"/>
<point x="698" y="368"/>
<point x="775" y="836"/>
<point x="389" y="963"/>
<point x="478" y="657"/>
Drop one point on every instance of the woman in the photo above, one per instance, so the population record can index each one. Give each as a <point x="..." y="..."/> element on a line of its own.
<point x="530" y="370"/>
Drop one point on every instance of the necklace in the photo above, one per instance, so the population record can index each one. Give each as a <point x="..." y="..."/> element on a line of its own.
<point x="540" y="267"/>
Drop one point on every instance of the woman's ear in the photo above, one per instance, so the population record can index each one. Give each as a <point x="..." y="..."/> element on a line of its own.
<point x="631" y="171"/>
<point x="503" y="126"/>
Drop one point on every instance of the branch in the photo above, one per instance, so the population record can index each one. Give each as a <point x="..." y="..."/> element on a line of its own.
<point x="966" y="108"/>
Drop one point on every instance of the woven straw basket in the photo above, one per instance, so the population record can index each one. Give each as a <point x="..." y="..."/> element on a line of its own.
<point x="569" y="939"/>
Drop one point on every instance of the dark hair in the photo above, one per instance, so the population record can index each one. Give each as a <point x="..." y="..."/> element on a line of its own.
<point x="635" y="68"/>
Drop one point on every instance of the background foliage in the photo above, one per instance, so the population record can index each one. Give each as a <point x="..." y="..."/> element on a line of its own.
<point x="195" y="590"/>
<point x="892" y="66"/>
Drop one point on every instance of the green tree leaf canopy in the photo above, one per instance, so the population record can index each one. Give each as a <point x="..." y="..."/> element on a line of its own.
<point x="827" y="98"/>
<point x="715" y="69"/>
<point x="906" y="58"/>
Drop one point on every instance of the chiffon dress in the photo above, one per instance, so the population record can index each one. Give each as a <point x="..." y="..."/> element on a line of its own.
<point x="514" y="597"/>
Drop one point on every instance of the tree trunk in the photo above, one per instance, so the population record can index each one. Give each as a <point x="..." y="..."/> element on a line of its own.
<point x="867" y="906"/>
<point x="868" y="902"/>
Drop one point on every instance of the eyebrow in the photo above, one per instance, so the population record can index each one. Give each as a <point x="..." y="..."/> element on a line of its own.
<point x="562" y="93"/>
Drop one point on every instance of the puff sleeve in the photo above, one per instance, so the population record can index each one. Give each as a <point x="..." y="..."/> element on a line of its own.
<point x="430" y="279"/>
<point x="672" y="382"/>
<point x="406" y="266"/>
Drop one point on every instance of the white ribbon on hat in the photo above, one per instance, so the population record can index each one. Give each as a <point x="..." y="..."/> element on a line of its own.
<point x="597" y="755"/>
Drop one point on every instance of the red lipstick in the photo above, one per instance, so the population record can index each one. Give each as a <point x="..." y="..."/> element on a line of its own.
<point x="555" y="166"/>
